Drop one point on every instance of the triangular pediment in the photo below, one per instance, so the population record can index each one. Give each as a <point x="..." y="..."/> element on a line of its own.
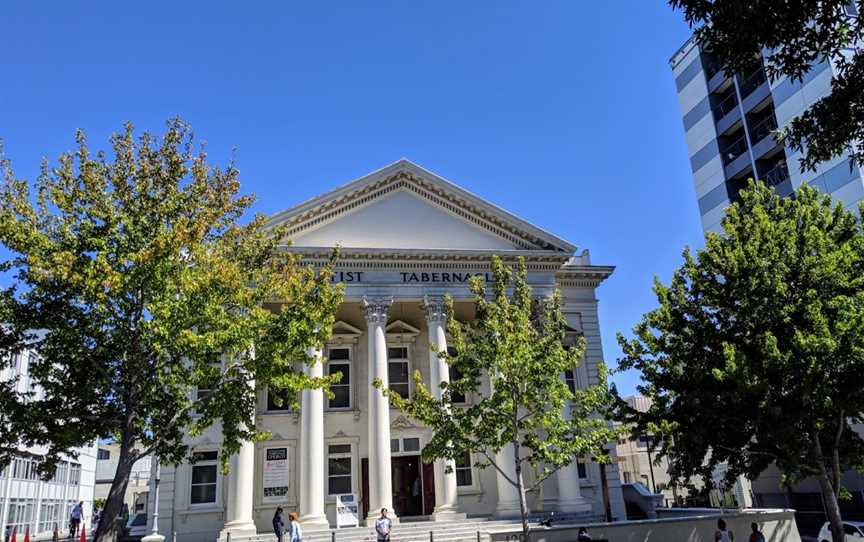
<point x="344" y="328"/>
<point x="398" y="327"/>
<point x="404" y="206"/>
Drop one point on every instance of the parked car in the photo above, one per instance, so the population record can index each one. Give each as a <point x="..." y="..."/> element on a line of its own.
<point x="136" y="528"/>
<point x="854" y="532"/>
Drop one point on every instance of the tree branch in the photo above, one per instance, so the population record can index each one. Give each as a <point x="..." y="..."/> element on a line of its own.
<point x="501" y="472"/>
<point x="191" y="406"/>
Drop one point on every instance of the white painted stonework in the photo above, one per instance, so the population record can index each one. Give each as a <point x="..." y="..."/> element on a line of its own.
<point x="408" y="238"/>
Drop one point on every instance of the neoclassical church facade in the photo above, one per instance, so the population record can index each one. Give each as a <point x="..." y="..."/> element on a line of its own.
<point x="408" y="237"/>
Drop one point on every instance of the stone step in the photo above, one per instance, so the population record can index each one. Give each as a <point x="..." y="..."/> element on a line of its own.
<point x="443" y="531"/>
<point x="463" y="530"/>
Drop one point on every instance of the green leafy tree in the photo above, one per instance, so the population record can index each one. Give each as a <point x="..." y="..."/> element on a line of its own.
<point x="756" y="353"/>
<point x="795" y="35"/>
<point x="518" y="344"/>
<point x="155" y="313"/>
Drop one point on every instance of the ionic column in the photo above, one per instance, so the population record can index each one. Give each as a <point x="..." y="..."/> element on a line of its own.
<point x="380" y="475"/>
<point x="312" y="448"/>
<point x="445" y="482"/>
<point x="241" y="484"/>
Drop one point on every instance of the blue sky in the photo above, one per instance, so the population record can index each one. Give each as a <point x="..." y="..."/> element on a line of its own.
<point x="562" y="112"/>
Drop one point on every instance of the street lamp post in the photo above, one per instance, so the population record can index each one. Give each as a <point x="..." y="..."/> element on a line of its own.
<point x="154" y="536"/>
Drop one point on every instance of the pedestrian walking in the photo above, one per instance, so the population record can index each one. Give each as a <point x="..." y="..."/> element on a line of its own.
<point x="295" y="533"/>
<point x="279" y="524"/>
<point x="383" y="526"/>
<point x="756" y="535"/>
<point x="75" y="517"/>
<point x="721" y="534"/>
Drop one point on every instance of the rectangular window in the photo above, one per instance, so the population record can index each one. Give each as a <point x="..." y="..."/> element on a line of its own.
<point x="278" y="400"/>
<point x="339" y="469"/>
<point x="464" y="475"/>
<point x="75" y="474"/>
<point x="411" y="445"/>
<point x="457" y="397"/>
<point x="205" y="386"/>
<point x="103" y="454"/>
<point x="570" y="379"/>
<point x="340" y="362"/>
<point x="204" y="474"/>
<point x="394" y="445"/>
<point x="398" y="370"/>
<point x="582" y="469"/>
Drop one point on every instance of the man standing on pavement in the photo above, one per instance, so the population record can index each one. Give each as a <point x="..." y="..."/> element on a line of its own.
<point x="75" y="518"/>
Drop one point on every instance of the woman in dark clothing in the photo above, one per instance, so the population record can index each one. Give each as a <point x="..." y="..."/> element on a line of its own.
<point x="279" y="524"/>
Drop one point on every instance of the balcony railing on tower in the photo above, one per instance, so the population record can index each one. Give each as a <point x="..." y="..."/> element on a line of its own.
<point x="763" y="128"/>
<point x="777" y="174"/>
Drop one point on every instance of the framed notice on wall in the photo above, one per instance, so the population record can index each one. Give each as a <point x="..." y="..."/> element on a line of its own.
<point x="275" y="474"/>
<point x="346" y="511"/>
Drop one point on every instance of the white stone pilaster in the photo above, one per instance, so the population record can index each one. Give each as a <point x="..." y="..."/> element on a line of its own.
<point x="380" y="474"/>
<point x="241" y="486"/>
<point x="445" y="482"/>
<point x="312" y="448"/>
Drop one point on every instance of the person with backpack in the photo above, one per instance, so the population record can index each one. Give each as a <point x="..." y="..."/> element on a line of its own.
<point x="279" y="524"/>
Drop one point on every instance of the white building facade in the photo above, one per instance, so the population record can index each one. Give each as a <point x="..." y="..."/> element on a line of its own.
<point x="408" y="237"/>
<point x="26" y="501"/>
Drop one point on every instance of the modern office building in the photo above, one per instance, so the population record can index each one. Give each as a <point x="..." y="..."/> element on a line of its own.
<point x="729" y="122"/>
<point x="407" y="238"/>
<point x="26" y="501"/>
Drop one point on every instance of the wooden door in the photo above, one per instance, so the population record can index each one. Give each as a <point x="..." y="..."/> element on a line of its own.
<point x="429" y="488"/>
<point x="364" y="487"/>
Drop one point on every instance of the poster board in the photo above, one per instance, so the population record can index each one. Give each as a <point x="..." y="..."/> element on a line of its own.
<point x="346" y="511"/>
<point x="275" y="474"/>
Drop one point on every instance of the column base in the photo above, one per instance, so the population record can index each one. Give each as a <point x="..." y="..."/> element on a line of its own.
<point x="508" y="510"/>
<point x="314" y="522"/>
<point x="575" y="506"/>
<point x="238" y="529"/>
<point x="448" y="513"/>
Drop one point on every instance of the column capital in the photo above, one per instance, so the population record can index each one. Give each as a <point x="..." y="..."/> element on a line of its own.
<point x="435" y="309"/>
<point x="375" y="308"/>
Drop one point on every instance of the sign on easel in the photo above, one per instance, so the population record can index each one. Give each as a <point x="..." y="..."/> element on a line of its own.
<point x="346" y="511"/>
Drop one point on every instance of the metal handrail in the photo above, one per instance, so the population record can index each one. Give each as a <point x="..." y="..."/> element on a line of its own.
<point x="776" y="175"/>
<point x="763" y="128"/>
<point x="725" y="106"/>
<point x="735" y="149"/>
<point x="752" y="82"/>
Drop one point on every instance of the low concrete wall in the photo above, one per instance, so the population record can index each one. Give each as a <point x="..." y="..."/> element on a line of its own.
<point x="776" y="525"/>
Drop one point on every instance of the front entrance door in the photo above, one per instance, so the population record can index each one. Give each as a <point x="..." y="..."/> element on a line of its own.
<point x="407" y="485"/>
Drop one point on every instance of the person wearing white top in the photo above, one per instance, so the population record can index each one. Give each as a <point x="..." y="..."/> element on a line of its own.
<point x="721" y="534"/>
<point x="295" y="533"/>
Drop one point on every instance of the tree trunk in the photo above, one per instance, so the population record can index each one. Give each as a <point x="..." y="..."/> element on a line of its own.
<point x="520" y="486"/>
<point x="109" y="527"/>
<point x="829" y="497"/>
